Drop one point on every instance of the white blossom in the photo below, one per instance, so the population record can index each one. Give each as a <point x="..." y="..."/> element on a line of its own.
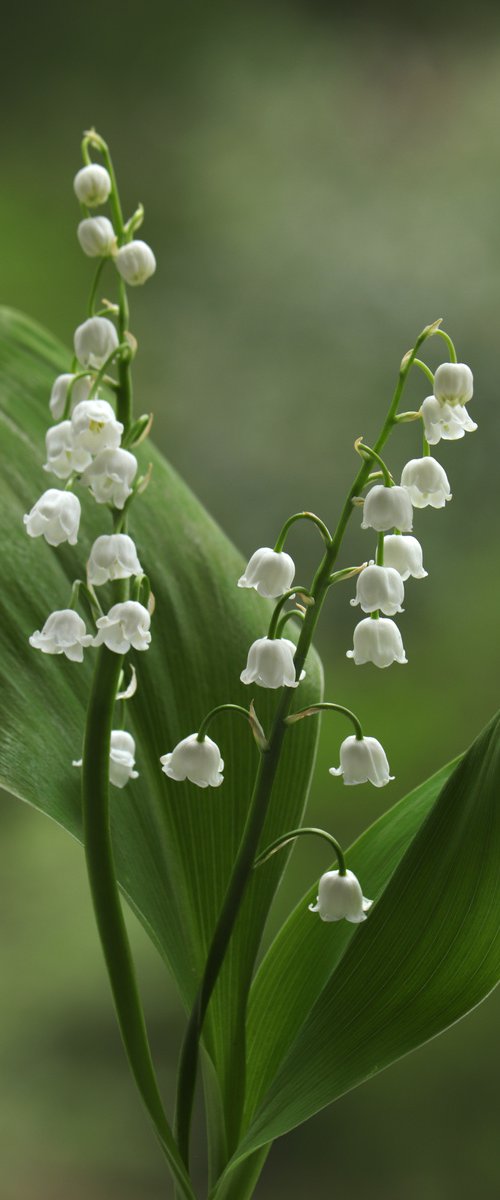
<point x="426" y="482"/>
<point x="95" y="426"/>
<point x="453" y="383"/>
<point x="200" y="762"/>
<point x="363" y="760"/>
<point x="97" y="237"/>
<point x="387" y="508"/>
<point x="447" y="421"/>
<point x="63" y="456"/>
<point x="79" y="391"/>
<point x="55" y="516"/>
<point x="121" y="758"/>
<point x="381" y="588"/>
<point x="341" y="896"/>
<point x="270" y="572"/>
<point x="92" y="185"/>
<point x="378" y="641"/>
<point x="270" y="663"/>
<point x="404" y="553"/>
<point x="135" y="262"/>
<point x="64" y="632"/>
<point x="113" y="556"/>
<point x="109" y="476"/>
<point x="94" y="341"/>
<point x="125" y="625"/>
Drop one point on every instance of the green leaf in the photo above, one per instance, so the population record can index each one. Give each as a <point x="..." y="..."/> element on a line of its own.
<point x="359" y="999"/>
<point x="174" y="844"/>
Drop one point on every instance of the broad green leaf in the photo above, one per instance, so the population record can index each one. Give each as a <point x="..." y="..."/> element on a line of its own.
<point x="174" y="844"/>
<point x="428" y="953"/>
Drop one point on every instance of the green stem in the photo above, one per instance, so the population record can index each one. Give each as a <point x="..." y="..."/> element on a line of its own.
<point x="449" y="343"/>
<point x="379" y="557"/>
<point x="327" y="706"/>
<point x="220" y="708"/>
<point x="295" y="591"/>
<point x="417" y="362"/>
<point x="95" y="285"/>
<point x="302" y="516"/>
<point x="120" y="351"/>
<point x="286" y="838"/>
<point x="296" y="613"/>
<point x="363" y="449"/>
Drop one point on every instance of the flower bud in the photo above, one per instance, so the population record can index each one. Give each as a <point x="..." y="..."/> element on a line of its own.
<point x="363" y="760"/>
<point x="113" y="556"/>
<point x="387" y="508"/>
<point x="109" y="477"/>
<point x="341" y="896"/>
<point x="79" y="391"/>
<point x="426" y="482"/>
<point x="64" y="632"/>
<point x="270" y="572"/>
<point x="92" y="185"/>
<point x="404" y="553"/>
<point x="63" y="457"/>
<point x="200" y="762"/>
<point x="379" y="588"/>
<point x="94" y="341"/>
<point x="97" y="237"/>
<point x="125" y="625"/>
<point x="55" y="516"/>
<point x="377" y="641"/>
<point x="135" y="262"/>
<point x="447" y="421"/>
<point x="121" y="758"/>
<point x="270" y="663"/>
<point x="453" y="383"/>
<point x="95" y="427"/>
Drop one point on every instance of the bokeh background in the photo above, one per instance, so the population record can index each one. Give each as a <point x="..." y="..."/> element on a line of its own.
<point x="320" y="182"/>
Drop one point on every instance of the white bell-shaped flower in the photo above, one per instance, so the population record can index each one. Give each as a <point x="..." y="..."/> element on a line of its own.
<point x="340" y="896"/>
<point x="64" y="632"/>
<point x="79" y="391"/>
<point x="447" y="421"/>
<point x="125" y="625"/>
<point x="200" y="762"/>
<point x="95" y="426"/>
<point x="377" y="641"/>
<point x="55" y="516"/>
<point x="135" y="262"/>
<point x="63" y="456"/>
<point x="387" y="508"/>
<point x="97" y="237"/>
<point x="94" y="341"/>
<point x="270" y="663"/>
<point x="426" y="482"/>
<point x="363" y="760"/>
<point x="113" y="556"/>
<point x="92" y="185"/>
<point x="110" y="475"/>
<point x="453" y="383"/>
<point x="270" y="572"/>
<point x="379" y="588"/>
<point x="404" y="552"/>
<point x="121" y="758"/>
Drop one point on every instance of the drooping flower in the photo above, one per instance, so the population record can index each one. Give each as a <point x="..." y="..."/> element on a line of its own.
<point x="340" y="896"/>
<point x="379" y="588"/>
<point x="64" y="632"/>
<point x="378" y="641"/>
<point x="447" y="421"/>
<point x="270" y="572"/>
<point x="95" y="426"/>
<point x="363" y="760"/>
<point x="97" y="237"/>
<point x="63" y="456"/>
<point x="113" y="556"/>
<point x="135" y="262"/>
<point x="270" y="663"/>
<point x="404" y="553"/>
<point x="92" y="185"/>
<point x="55" y="516"/>
<point x="110" y="475"/>
<point x="125" y="625"/>
<point x="94" y="341"/>
<point x="121" y="758"/>
<point x="200" y="762"/>
<point x="79" y="391"/>
<point x="426" y="482"/>
<point x="387" y="508"/>
<point x="453" y="383"/>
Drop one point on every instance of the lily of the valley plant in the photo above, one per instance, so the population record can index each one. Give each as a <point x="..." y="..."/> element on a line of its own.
<point x="276" y="1046"/>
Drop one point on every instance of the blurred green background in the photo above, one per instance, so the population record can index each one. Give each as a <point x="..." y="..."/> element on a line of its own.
<point x="318" y="186"/>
